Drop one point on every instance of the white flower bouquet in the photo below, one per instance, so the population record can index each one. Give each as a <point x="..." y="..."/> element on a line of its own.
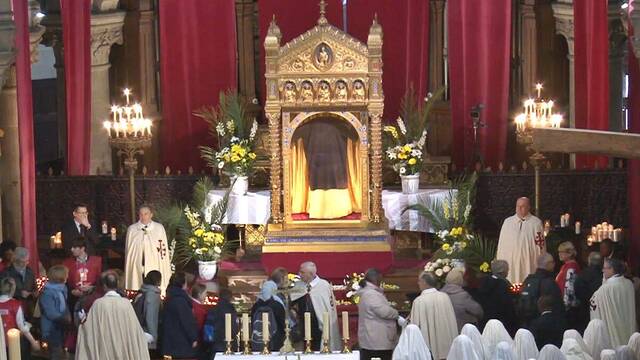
<point x="440" y="268"/>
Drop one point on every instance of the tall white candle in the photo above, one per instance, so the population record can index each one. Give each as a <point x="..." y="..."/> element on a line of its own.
<point x="245" y="327"/>
<point x="14" y="344"/>
<point x="345" y="325"/>
<point x="325" y="326"/>
<point x="307" y="326"/>
<point x="227" y="327"/>
<point x="265" y="327"/>
<point x="578" y="225"/>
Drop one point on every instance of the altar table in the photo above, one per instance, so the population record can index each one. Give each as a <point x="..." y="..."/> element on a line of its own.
<point x="252" y="208"/>
<point x="394" y="203"/>
<point x="355" y="355"/>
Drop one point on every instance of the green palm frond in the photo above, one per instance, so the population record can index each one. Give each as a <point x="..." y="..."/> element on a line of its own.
<point x="200" y="191"/>
<point x="415" y="112"/>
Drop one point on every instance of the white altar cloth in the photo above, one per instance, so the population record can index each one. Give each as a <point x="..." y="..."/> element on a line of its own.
<point x="252" y="208"/>
<point x="355" y="355"/>
<point x="394" y="203"/>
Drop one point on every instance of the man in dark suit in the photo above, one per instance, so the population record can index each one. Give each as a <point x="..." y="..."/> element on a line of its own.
<point x="549" y="327"/>
<point x="80" y="227"/>
<point x="496" y="299"/>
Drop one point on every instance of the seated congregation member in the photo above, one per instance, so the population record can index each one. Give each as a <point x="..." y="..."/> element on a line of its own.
<point x="587" y="282"/>
<point x="634" y="344"/>
<point x="541" y="283"/>
<point x="216" y="321"/>
<point x="573" y="351"/>
<point x="84" y="270"/>
<point x="550" y="326"/>
<point x="596" y="337"/>
<point x="472" y="332"/>
<point x="493" y="334"/>
<point x="624" y="352"/>
<point x="268" y="301"/>
<point x="315" y="295"/>
<point x="504" y="351"/>
<point x="80" y="226"/>
<point x="179" y="331"/>
<point x="111" y="327"/>
<point x="462" y="349"/>
<point x="411" y="345"/>
<point x="566" y="280"/>
<point x="377" y="320"/>
<point x="614" y="303"/>
<point x="496" y="299"/>
<point x="575" y="335"/>
<point x="147" y="305"/>
<point x="551" y="352"/>
<point x="7" y="249"/>
<point x="433" y="313"/>
<point x="55" y="314"/>
<point x="25" y="280"/>
<point x="524" y="345"/>
<point x="467" y="310"/>
<point x="13" y="316"/>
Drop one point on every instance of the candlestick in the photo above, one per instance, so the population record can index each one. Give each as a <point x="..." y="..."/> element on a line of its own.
<point x="245" y="327"/>
<point x="247" y="348"/>
<point x="227" y="327"/>
<point x="325" y="347"/>
<point x="105" y="227"/>
<point x="307" y="347"/>
<point x="228" y="350"/>
<point x="265" y="327"/>
<point x="538" y="88"/>
<point x="14" y="344"/>
<point x="113" y="234"/>
<point x="578" y="225"/>
<point x="345" y="325"/>
<point x="345" y="346"/>
<point x="325" y="326"/>
<point x="617" y="235"/>
<point x="307" y="326"/>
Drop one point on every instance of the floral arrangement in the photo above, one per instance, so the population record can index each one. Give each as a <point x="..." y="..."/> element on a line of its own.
<point x="485" y="267"/>
<point x="454" y="240"/>
<point x="440" y="268"/>
<point x="352" y="284"/>
<point x="205" y="239"/>
<point x="292" y="279"/>
<point x="234" y="132"/>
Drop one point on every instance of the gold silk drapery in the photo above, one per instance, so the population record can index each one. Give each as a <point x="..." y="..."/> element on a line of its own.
<point x="325" y="203"/>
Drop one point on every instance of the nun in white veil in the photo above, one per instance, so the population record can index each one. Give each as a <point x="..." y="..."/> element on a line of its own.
<point x="524" y="345"/>
<point x="504" y="351"/>
<point x="574" y="334"/>
<point x="462" y="349"/>
<point x="596" y="336"/>
<point x="634" y="344"/>
<point x="608" y="354"/>
<point x="551" y="352"/>
<point x="494" y="333"/>
<point x="624" y="352"/>
<point x="572" y="350"/>
<point x="411" y="345"/>
<point x="473" y="333"/>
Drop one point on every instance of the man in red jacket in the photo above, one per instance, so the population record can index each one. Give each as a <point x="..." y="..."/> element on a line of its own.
<point x="84" y="270"/>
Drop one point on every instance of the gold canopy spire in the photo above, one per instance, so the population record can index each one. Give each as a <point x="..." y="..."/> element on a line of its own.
<point x="323" y="10"/>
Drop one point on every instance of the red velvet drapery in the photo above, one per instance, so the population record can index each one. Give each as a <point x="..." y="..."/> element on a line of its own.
<point x="591" y="72"/>
<point x="25" y="131"/>
<point x="406" y="37"/>
<point x="633" y="166"/>
<point x="479" y="46"/>
<point x="405" y="52"/>
<point x="198" y="52"/>
<point x="76" y="17"/>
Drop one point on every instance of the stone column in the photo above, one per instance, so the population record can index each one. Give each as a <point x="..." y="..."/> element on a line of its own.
<point x="436" y="45"/>
<point x="528" y="47"/>
<point x="617" y="52"/>
<point x="7" y="164"/>
<point x="106" y="30"/>
<point x="10" y="164"/>
<point x="563" y="13"/>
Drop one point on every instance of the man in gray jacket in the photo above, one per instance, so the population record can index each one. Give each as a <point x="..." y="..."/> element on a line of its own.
<point x="147" y="305"/>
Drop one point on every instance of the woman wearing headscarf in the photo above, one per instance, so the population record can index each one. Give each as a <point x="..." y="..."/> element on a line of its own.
<point x="504" y="351"/>
<point x="624" y="352"/>
<point x="608" y="354"/>
<point x="467" y="310"/>
<point x="524" y="345"/>
<point x="377" y="320"/>
<point x="462" y="349"/>
<point x="573" y="351"/>
<point x="596" y="337"/>
<point x="494" y="333"/>
<point x="268" y="299"/>
<point x="551" y="352"/>
<point x="411" y="345"/>
<point x="634" y="344"/>
<point x="574" y="334"/>
<point x="472" y="332"/>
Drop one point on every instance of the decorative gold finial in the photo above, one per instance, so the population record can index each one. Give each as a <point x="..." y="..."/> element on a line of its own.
<point x="323" y="10"/>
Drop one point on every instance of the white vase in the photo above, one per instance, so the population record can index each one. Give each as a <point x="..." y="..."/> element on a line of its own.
<point x="410" y="183"/>
<point x="458" y="263"/>
<point x="240" y="185"/>
<point x="207" y="269"/>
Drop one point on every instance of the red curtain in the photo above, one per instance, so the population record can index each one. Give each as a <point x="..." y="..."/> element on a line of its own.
<point x="198" y="52"/>
<point x="479" y="46"/>
<point x="405" y="51"/>
<point x="25" y="131"/>
<point x="591" y="72"/>
<point x="76" y="16"/>
<point x="633" y="166"/>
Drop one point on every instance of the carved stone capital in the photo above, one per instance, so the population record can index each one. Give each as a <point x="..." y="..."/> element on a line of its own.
<point x="617" y="30"/>
<point x="106" y="30"/>
<point x="563" y="13"/>
<point x="7" y="41"/>
<point x="104" y="5"/>
<point x="634" y="18"/>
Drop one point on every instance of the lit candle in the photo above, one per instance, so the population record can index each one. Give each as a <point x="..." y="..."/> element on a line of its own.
<point x="126" y="93"/>
<point x="345" y="325"/>
<point x="107" y="126"/>
<point x="105" y="227"/>
<point x="265" y="327"/>
<point x="617" y="235"/>
<point x="113" y="234"/>
<point x="245" y="327"/>
<point x="307" y="326"/>
<point x="14" y="344"/>
<point x="52" y="242"/>
<point x="520" y="121"/>
<point x="578" y="224"/>
<point x="325" y="326"/>
<point x="539" y="88"/>
<point x="562" y="221"/>
<point x="227" y="327"/>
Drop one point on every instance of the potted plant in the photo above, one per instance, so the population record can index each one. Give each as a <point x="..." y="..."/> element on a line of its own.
<point x="234" y="131"/>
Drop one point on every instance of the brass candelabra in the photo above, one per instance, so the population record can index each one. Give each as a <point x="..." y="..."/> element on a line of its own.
<point x="228" y="351"/>
<point x="345" y="348"/>
<point x="325" y="347"/>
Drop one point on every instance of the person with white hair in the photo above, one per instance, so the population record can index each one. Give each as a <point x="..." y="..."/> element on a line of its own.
<point x="411" y="345"/>
<point x="596" y="337"/>
<point x="574" y="334"/>
<point x="634" y="344"/>
<point x="539" y="284"/>
<point x="466" y="308"/>
<point x="496" y="298"/>
<point x="433" y="312"/>
<point x="524" y="345"/>
<point x="551" y="352"/>
<point x="614" y="303"/>
<point x="504" y="351"/>
<point x="462" y="348"/>
<point x="25" y="279"/>
<point x="315" y="295"/>
<point x="624" y="352"/>
<point x="493" y="334"/>
<point x="573" y="351"/>
<point x="608" y="354"/>
<point x="520" y="241"/>
<point x="472" y="332"/>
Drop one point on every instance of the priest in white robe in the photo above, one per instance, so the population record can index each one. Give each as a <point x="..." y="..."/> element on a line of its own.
<point x="433" y="312"/>
<point x="521" y="241"/>
<point x="614" y="303"/>
<point x="146" y="249"/>
<point x="111" y="329"/>
<point x="315" y="295"/>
